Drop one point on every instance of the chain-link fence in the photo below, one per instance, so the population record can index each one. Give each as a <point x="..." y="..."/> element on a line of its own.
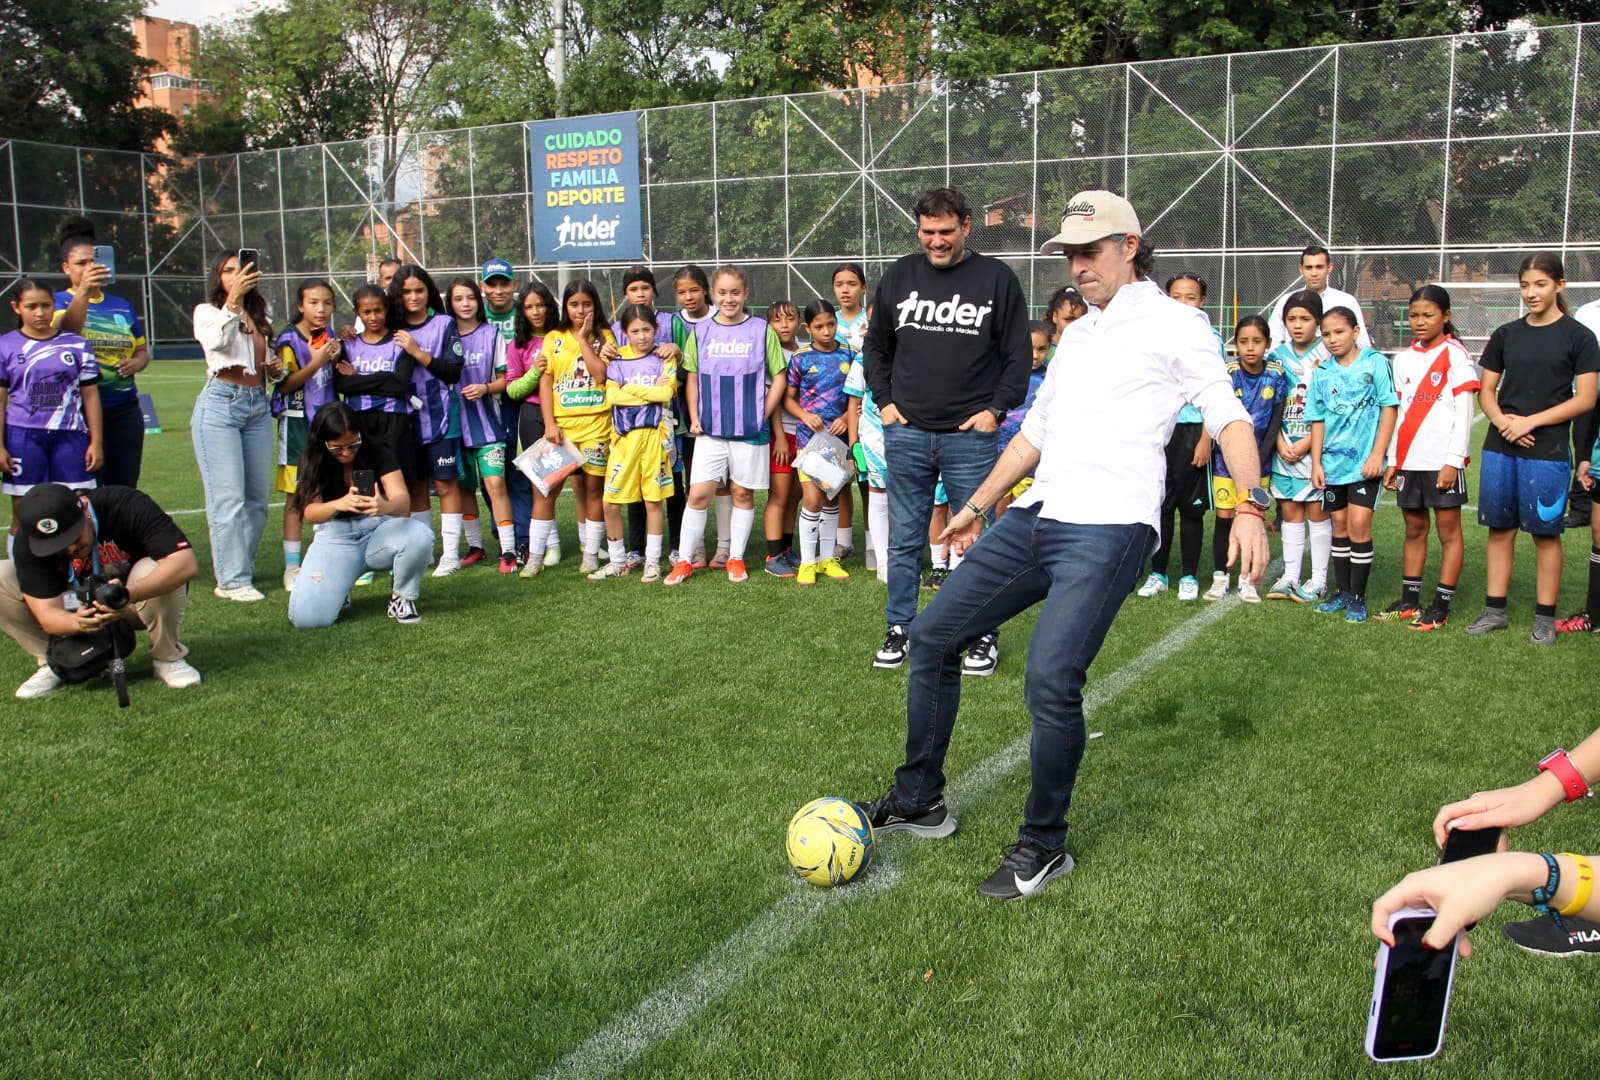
<point x="1439" y="159"/>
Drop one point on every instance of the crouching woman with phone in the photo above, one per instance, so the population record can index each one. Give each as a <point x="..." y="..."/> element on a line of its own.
<point x="356" y="496"/>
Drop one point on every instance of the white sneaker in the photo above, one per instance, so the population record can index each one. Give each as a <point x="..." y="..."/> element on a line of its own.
<point x="1188" y="588"/>
<point x="447" y="567"/>
<point x="1247" y="593"/>
<point x="652" y="572"/>
<point x="176" y="673"/>
<point x="244" y="594"/>
<point x="590" y="563"/>
<point x="611" y="570"/>
<point x="552" y="555"/>
<point x="531" y="568"/>
<point x="1219" y="585"/>
<point x="871" y="557"/>
<point x="1154" y="585"/>
<point x="41" y="682"/>
<point x="290" y="574"/>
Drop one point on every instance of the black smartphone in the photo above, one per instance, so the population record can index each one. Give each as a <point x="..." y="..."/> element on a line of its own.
<point x="1469" y="844"/>
<point x="106" y="256"/>
<point x="1410" y="992"/>
<point x="250" y="257"/>
<point x="365" y="481"/>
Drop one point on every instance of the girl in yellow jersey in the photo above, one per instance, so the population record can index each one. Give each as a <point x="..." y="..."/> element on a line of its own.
<point x="572" y="397"/>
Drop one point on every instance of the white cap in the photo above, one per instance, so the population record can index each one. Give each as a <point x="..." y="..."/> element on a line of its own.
<point x="1091" y="216"/>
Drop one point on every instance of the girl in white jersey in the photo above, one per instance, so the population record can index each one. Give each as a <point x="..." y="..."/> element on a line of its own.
<point x="1427" y="457"/>
<point x="849" y="293"/>
<point x="1299" y="498"/>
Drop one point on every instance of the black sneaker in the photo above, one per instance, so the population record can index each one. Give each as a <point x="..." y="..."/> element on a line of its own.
<point x="1543" y="937"/>
<point x="1402" y="610"/>
<point x="935" y="578"/>
<point x="522" y="556"/>
<point x="403" y="611"/>
<point x="1027" y="868"/>
<point x="889" y="814"/>
<point x="983" y="657"/>
<point x="893" y="653"/>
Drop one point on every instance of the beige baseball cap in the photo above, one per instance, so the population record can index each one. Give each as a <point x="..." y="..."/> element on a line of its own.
<point x="1091" y="215"/>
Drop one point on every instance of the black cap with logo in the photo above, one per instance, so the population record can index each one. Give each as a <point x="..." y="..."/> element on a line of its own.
<point x="50" y="517"/>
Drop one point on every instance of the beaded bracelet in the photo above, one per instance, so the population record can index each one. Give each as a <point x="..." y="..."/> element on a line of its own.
<point x="1547" y="892"/>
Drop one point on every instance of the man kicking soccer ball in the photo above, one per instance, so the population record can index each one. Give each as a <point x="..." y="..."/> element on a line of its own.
<point x="1095" y="440"/>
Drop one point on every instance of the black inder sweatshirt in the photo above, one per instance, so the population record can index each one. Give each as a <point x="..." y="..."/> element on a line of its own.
<point x="945" y="344"/>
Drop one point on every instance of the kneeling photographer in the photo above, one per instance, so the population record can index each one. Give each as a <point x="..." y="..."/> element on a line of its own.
<point x="89" y="568"/>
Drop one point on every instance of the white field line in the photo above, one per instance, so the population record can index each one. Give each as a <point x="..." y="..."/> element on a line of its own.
<point x="664" y="1011"/>
<point x="276" y="506"/>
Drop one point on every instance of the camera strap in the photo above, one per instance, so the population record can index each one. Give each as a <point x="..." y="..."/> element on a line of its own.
<point x="94" y="549"/>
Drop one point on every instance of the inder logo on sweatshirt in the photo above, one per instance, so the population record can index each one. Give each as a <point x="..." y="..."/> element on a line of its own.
<point x="941" y="317"/>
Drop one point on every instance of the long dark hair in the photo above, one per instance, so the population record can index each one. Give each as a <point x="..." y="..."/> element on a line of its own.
<point x="24" y="287"/>
<point x="1547" y="262"/>
<point x="586" y="287"/>
<point x="1439" y="298"/>
<point x="397" y="308"/>
<point x="322" y="474"/>
<point x="305" y="287"/>
<point x="524" y="328"/>
<point x="851" y="268"/>
<point x="1306" y="299"/>
<point x="254" y="304"/>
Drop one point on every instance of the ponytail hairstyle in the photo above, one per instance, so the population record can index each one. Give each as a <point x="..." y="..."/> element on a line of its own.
<point x="851" y="268"/>
<point x="1066" y="296"/>
<point x="1187" y="276"/>
<point x="75" y="232"/>
<point x="306" y="286"/>
<point x="1344" y="313"/>
<point x="736" y="272"/>
<point x="370" y="290"/>
<point x="694" y="273"/>
<point x="1439" y="298"/>
<point x="1548" y="262"/>
<point x="817" y="307"/>
<point x="26" y="286"/>
<point x="397" y="307"/>
<point x="1307" y="300"/>
<point x="525" y="330"/>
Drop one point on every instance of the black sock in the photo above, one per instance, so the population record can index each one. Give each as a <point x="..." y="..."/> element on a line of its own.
<point x="1191" y="537"/>
<point x="1593" y="607"/>
<point x="1545" y="609"/>
<point x="1219" y="542"/>
<point x="788" y="541"/>
<point x="1411" y="591"/>
<point x="774" y="548"/>
<point x="1341" y="563"/>
<point x="1495" y="603"/>
<point x="1163" y="556"/>
<point x="1442" y="597"/>
<point x="1360" y="565"/>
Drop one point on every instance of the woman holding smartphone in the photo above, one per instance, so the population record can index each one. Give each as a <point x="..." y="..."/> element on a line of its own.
<point x="232" y="422"/>
<point x="113" y="330"/>
<point x="355" y="494"/>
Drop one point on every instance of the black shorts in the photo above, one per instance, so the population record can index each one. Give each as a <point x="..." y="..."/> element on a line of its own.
<point x="1418" y="489"/>
<point x="392" y="431"/>
<point x="1360" y="493"/>
<point x="1188" y="492"/>
<point x="530" y="424"/>
<point x="441" y="459"/>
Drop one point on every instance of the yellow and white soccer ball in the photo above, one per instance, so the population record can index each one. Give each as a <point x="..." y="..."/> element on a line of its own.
<point x="830" y="841"/>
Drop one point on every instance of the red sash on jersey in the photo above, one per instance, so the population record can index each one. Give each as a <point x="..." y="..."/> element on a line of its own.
<point x="1437" y="376"/>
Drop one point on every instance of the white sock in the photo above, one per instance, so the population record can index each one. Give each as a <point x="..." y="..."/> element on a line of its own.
<point x="827" y="538"/>
<point x="450" y="532"/>
<point x="291" y="553"/>
<point x="593" y="532"/>
<point x="507" y="536"/>
<point x="539" y="536"/>
<point x="618" y="550"/>
<point x="940" y="558"/>
<point x="1321" y="550"/>
<point x="474" y="531"/>
<point x="810" y="532"/>
<point x="954" y="561"/>
<point x="1294" y="548"/>
<point x="878" y="524"/>
<point x="724" y="521"/>
<point x="743" y="523"/>
<point x="652" y="549"/>
<point x="694" y="532"/>
<point x="11" y="544"/>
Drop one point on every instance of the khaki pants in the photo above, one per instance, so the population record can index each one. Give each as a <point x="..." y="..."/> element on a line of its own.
<point x="160" y="616"/>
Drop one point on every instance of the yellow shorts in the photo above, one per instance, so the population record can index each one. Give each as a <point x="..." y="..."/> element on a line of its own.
<point x="591" y="435"/>
<point x="1225" y="494"/>
<point x="640" y="466"/>
<point x="284" y="478"/>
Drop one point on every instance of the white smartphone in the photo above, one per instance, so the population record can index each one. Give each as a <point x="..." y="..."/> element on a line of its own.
<point x="1410" y="991"/>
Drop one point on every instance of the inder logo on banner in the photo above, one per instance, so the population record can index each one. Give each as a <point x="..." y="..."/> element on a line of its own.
<point x="586" y="188"/>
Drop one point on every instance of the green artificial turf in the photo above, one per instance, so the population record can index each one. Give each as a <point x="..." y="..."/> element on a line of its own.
<point x="466" y="847"/>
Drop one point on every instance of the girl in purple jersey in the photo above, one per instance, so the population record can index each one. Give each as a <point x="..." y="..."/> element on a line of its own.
<point x="49" y="404"/>
<point x="483" y="431"/>
<point x="307" y="350"/>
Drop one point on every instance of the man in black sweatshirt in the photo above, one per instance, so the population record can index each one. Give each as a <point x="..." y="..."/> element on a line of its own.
<point x="947" y="355"/>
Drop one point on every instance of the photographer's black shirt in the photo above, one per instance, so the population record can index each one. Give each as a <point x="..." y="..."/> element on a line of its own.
<point x="131" y="527"/>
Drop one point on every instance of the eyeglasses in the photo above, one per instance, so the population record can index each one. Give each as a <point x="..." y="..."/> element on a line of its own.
<point x="339" y="448"/>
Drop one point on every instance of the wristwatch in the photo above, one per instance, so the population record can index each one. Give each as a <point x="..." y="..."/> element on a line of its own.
<point x="1558" y="763"/>
<point x="1258" y="498"/>
<point x="999" y="415"/>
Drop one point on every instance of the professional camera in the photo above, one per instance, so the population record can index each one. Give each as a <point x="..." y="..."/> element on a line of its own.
<point x="111" y="595"/>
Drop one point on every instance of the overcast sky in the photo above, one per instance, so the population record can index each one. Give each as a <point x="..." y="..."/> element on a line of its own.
<point x="198" y="12"/>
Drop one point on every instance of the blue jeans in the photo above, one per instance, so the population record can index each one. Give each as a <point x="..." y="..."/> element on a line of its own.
<point x="232" y="432"/>
<point x="1082" y="573"/>
<point x="917" y="461"/>
<point x="345" y="548"/>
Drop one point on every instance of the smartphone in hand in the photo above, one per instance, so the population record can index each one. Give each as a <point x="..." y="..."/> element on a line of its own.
<point x="106" y="256"/>
<point x="1469" y="844"/>
<point x="250" y="257"/>
<point x="365" y="481"/>
<point x="1410" y="991"/>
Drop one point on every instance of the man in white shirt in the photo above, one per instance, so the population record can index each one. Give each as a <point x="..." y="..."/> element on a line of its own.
<point x="1095" y="440"/>
<point x="1315" y="267"/>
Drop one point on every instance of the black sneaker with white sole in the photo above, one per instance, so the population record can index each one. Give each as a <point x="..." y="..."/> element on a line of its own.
<point x="888" y="814"/>
<point x="1026" y="869"/>
<point x="983" y="657"/>
<point x="1543" y="937"/>
<point x="403" y="611"/>
<point x="893" y="653"/>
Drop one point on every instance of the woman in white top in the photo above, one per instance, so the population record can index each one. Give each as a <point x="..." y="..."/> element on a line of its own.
<point x="232" y="423"/>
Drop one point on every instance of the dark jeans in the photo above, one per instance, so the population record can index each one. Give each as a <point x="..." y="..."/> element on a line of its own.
<point x="122" y="442"/>
<point x="917" y="461"/>
<point x="1082" y="573"/>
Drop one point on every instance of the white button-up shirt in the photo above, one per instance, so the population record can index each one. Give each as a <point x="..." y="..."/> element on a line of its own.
<point x="1103" y="416"/>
